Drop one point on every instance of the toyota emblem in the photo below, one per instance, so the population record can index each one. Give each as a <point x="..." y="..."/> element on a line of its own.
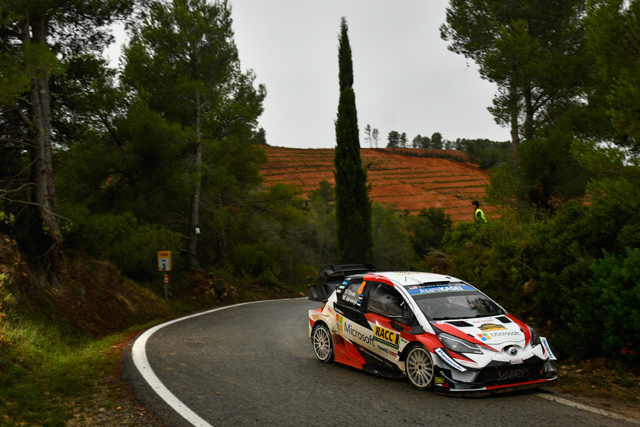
<point x="513" y="351"/>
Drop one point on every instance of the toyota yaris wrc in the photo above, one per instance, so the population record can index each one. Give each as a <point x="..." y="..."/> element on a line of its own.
<point x="437" y="331"/>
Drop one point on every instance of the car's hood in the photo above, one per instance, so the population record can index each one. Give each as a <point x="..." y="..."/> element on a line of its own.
<point x="489" y="331"/>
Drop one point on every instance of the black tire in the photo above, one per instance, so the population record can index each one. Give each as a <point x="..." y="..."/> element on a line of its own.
<point x="322" y="343"/>
<point x="419" y="368"/>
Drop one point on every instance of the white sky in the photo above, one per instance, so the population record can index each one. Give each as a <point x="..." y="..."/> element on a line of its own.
<point x="405" y="79"/>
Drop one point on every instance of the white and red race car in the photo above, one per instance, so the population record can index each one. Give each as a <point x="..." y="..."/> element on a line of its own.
<point x="438" y="331"/>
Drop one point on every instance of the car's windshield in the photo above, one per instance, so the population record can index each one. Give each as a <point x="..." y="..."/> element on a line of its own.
<point x="447" y="303"/>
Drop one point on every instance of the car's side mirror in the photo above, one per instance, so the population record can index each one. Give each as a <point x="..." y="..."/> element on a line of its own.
<point x="396" y="325"/>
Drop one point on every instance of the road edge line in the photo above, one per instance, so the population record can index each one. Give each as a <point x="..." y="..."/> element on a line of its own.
<point x="588" y="408"/>
<point x="141" y="362"/>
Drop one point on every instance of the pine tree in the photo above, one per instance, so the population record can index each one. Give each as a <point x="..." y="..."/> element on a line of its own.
<point x="353" y="207"/>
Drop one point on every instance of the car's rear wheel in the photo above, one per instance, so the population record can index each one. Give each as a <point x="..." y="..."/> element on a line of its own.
<point x="419" y="368"/>
<point x="322" y="343"/>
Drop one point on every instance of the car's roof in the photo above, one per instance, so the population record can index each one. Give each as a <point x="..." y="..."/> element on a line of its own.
<point x="407" y="278"/>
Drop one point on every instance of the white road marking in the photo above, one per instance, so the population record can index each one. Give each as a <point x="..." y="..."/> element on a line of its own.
<point x="588" y="408"/>
<point x="139" y="355"/>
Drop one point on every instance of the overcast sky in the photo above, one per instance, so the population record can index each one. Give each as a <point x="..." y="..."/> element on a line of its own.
<point x="405" y="79"/>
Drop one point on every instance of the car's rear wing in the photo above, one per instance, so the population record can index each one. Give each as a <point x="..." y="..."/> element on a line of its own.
<point x="332" y="275"/>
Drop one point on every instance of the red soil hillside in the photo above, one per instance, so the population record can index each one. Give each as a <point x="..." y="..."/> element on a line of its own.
<point x="400" y="180"/>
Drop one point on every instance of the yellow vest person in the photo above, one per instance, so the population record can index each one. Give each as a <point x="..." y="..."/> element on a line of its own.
<point x="478" y="215"/>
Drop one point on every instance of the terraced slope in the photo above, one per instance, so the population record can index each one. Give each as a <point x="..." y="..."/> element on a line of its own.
<point x="403" y="181"/>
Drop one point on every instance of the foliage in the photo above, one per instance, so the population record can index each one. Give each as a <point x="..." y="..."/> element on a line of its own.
<point x="613" y="31"/>
<point x="353" y="207"/>
<point x="391" y="242"/>
<point x="564" y="271"/>
<point x="47" y="47"/>
<point x="533" y="51"/>
<point x="120" y="238"/>
<point x="427" y="229"/>
<point x="320" y="226"/>
<point x="496" y="257"/>
<point x="272" y="232"/>
<point x="486" y="153"/>
<point x="543" y="175"/>
<point x="183" y="61"/>
<point x="45" y="376"/>
<point x="4" y="296"/>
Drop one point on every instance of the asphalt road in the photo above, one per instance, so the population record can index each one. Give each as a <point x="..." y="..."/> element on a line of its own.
<point x="253" y="364"/>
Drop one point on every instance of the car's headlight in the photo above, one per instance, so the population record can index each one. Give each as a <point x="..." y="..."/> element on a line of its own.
<point x="458" y="345"/>
<point x="535" y="338"/>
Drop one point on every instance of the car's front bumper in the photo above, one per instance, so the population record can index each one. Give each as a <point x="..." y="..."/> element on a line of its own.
<point x="497" y="380"/>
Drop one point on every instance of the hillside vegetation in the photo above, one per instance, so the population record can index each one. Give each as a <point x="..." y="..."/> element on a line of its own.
<point x="404" y="179"/>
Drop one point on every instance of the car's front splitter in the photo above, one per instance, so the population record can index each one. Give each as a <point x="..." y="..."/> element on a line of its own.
<point x="486" y="391"/>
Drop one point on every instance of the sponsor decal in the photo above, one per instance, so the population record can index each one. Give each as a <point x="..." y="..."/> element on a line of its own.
<point x="357" y="335"/>
<point x="491" y="327"/>
<point x="362" y="287"/>
<point x="516" y="374"/>
<point x="484" y="336"/>
<point x="505" y="334"/>
<point x="382" y="348"/>
<point x="386" y="336"/>
<point x="386" y="350"/>
<point x="444" y="356"/>
<point x="439" y="289"/>
<point x="547" y="349"/>
<point x="439" y="380"/>
<point x="340" y="321"/>
<point x="480" y="321"/>
<point x="516" y="361"/>
<point x="350" y="296"/>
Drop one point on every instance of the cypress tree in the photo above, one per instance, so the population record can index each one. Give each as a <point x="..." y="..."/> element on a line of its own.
<point x="353" y="207"/>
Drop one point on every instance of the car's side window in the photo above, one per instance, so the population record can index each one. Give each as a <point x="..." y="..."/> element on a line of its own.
<point x="352" y="292"/>
<point x="384" y="300"/>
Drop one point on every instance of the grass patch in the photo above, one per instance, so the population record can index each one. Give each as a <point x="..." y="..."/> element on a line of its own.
<point x="600" y="378"/>
<point x="45" y="375"/>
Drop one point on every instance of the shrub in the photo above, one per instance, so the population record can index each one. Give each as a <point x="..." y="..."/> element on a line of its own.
<point x="427" y="229"/>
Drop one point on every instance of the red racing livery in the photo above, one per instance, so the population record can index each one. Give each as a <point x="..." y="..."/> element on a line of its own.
<point x="437" y="331"/>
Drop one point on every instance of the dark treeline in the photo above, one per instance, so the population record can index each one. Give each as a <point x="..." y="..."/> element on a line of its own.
<point x="484" y="152"/>
<point x="164" y="153"/>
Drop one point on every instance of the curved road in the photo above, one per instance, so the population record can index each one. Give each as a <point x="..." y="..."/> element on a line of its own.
<point x="253" y="364"/>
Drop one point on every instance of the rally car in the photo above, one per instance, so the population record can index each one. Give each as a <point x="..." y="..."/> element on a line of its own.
<point x="437" y="331"/>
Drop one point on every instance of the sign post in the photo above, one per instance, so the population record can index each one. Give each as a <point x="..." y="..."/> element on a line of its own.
<point x="164" y="264"/>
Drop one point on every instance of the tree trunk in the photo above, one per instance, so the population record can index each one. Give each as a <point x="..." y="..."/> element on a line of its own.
<point x="515" y="128"/>
<point x="42" y="166"/>
<point x="195" y="198"/>
<point x="528" y="114"/>
<point x="222" y="234"/>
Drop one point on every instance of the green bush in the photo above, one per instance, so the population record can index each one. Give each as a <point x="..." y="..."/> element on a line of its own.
<point x="121" y="239"/>
<point x="495" y="257"/>
<point x="391" y="244"/>
<point x="427" y="229"/>
<point x="575" y="275"/>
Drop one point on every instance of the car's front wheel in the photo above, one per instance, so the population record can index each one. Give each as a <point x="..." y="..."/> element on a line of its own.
<point x="322" y="343"/>
<point x="419" y="368"/>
